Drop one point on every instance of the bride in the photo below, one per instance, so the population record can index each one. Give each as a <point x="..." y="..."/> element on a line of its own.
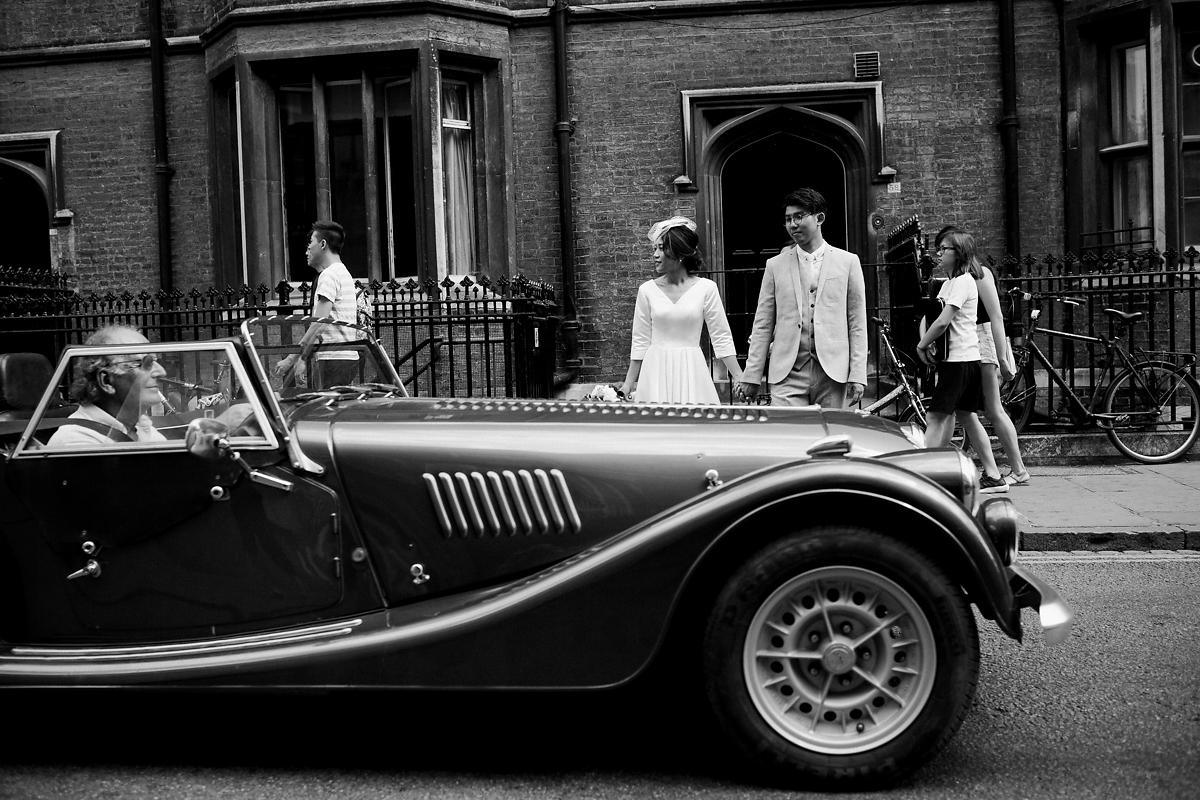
<point x="665" y="362"/>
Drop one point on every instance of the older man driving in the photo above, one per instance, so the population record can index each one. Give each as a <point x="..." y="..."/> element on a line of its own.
<point x="114" y="393"/>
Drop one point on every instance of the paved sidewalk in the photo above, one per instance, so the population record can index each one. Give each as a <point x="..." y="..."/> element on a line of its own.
<point x="1111" y="506"/>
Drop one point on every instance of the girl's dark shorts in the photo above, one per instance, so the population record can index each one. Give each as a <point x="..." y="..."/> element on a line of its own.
<point x="959" y="387"/>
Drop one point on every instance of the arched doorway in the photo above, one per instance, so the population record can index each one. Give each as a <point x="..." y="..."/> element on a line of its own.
<point x="24" y="203"/>
<point x="750" y="164"/>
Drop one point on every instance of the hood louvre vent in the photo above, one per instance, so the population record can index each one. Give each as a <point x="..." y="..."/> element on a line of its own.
<point x="601" y="411"/>
<point x="477" y="504"/>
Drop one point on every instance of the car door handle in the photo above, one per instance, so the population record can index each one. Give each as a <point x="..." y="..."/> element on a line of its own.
<point x="90" y="569"/>
<point x="260" y="477"/>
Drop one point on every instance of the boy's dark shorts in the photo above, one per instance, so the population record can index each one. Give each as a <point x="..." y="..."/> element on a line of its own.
<point x="959" y="387"/>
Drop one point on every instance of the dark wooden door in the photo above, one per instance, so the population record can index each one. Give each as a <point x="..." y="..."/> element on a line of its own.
<point x="754" y="182"/>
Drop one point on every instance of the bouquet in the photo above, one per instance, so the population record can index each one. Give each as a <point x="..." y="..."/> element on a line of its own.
<point x="605" y="393"/>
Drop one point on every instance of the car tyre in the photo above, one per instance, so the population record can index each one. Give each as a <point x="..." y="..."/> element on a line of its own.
<point x="840" y="658"/>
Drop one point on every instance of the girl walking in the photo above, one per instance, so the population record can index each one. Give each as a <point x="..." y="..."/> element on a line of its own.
<point x="959" y="390"/>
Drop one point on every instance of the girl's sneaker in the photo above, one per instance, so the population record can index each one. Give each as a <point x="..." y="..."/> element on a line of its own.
<point x="990" y="485"/>
<point x="1013" y="479"/>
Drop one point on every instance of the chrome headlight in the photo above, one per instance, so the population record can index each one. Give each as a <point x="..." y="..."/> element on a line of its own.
<point x="914" y="433"/>
<point x="970" y="481"/>
<point x="998" y="518"/>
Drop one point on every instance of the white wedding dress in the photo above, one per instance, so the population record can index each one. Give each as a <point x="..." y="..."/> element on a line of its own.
<point x="666" y="337"/>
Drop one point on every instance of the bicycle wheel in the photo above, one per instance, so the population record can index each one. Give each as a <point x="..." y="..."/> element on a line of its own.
<point x="1019" y="394"/>
<point x="1155" y="410"/>
<point x="909" y="414"/>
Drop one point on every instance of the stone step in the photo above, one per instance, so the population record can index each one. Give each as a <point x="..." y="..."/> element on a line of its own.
<point x="1064" y="448"/>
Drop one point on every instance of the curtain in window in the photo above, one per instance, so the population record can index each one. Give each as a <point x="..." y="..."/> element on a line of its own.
<point x="458" y="157"/>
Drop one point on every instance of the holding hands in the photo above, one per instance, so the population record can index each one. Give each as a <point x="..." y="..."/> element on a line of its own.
<point x="746" y="392"/>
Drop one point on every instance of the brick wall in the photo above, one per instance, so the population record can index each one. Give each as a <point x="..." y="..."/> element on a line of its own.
<point x="107" y="161"/>
<point x="941" y="96"/>
<point x="46" y="23"/>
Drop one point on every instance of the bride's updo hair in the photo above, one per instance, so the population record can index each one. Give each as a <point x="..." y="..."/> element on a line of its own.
<point x="683" y="245"/>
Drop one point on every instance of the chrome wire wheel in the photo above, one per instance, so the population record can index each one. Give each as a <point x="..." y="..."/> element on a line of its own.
<point x="839" y="660"/>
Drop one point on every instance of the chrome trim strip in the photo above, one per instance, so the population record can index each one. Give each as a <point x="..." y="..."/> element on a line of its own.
<point x="439" y="505"/>
<point x="472" y="505"/>
<point x="514" y="488"/>
<point x="485" y="497"/>
<point x="564" y="492"/>
<point x="535" y="502"/>
<point x="502" y="498"/>
<point x="552" y="505"/>
<point x="235" y="643"/>
<point x="459" y="517"/>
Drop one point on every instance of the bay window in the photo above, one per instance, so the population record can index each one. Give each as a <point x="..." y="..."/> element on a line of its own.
<point x="352" y="139"/>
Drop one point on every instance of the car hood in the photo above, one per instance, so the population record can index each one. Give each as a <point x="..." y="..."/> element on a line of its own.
<point x="476" y="490"/>
<point x="460" y="425"/>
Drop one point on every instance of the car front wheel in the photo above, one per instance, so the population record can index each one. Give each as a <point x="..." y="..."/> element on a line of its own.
<point x="840" y="657"/>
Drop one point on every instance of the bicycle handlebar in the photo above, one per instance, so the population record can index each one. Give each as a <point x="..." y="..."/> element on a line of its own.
<point x="1061" y="298"/>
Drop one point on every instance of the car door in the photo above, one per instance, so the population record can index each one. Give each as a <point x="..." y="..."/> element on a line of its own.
<point x="146" y="541"/>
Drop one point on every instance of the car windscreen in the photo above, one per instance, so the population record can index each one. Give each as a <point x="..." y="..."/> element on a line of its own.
<point x="300" y="356"/>
<point x="143" y="397"/>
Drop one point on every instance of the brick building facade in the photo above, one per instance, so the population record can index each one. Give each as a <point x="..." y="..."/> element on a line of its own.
<point x="709" y="108"/>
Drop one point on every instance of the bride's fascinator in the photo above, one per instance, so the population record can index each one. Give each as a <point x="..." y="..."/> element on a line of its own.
<point x="659" y="228"/>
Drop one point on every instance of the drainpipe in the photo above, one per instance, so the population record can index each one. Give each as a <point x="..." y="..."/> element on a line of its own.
<point x="566" y="216"/>
<point x="162" y="168"/>
<point x="1008" y="128"/>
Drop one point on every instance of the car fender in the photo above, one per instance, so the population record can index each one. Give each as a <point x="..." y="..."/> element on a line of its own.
<point x="854" y="491"/>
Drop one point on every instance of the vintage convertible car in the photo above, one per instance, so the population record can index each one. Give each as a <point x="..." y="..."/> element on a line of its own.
<point x="815" y="572"/>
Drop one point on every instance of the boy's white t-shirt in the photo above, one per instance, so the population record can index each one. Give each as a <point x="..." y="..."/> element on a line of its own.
<point x="962" y="293"/>
<point x="335" y="284"/>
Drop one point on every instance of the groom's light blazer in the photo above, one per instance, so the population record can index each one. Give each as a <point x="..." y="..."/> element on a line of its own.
<point x="839" y="318"/>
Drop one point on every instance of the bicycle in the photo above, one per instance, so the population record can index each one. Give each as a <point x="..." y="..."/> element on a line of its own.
<point x="1150" y="410"/>
<point x="899" y="368"/>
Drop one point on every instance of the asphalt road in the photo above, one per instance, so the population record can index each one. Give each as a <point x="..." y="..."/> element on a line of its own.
<point x="1112" y="713"/>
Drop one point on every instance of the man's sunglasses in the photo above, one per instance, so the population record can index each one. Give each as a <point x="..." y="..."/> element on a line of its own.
<point x="146" y="362"/>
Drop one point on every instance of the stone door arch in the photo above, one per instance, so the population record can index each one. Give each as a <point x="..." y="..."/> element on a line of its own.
<point x="747" y="163"/>
<point x="31" y="201"/>
<point x="25" y="206"/>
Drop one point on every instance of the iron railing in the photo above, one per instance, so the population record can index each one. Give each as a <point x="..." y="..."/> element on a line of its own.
<point x="470" y="337"/>
<point x="1164" y="285"/>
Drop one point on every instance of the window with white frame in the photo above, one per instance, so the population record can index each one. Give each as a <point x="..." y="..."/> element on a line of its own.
<point x="1190" y="118"/>
<point x="459" y="176"/>
<point x="1127" y="155"/>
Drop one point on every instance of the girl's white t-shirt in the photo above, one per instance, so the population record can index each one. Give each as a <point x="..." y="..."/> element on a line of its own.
<point x="962" y="293"/>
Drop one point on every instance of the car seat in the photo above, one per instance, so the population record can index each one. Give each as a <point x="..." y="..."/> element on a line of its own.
<point x="23" y="380"/>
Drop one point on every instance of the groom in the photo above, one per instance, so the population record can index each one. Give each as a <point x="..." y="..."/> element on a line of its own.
<point x="811" y="317"/>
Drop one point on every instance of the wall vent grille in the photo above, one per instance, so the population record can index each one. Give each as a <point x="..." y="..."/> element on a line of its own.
<point x="866" y="65"/>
